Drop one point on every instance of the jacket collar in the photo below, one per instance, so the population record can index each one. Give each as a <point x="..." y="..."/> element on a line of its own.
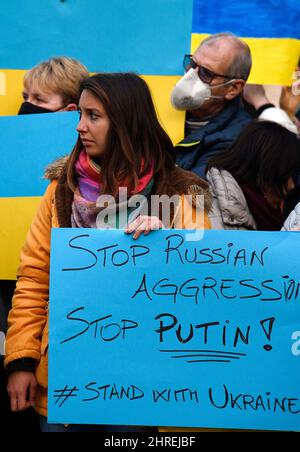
<point x="219" y="121"/>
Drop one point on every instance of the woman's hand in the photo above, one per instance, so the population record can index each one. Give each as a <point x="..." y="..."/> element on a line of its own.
<point x="289" y="101"/>
<point x="144" y="224"/>
<point x="21" y="388"/>
<point x="296" y="87"/>
<point x="255" y="95"/>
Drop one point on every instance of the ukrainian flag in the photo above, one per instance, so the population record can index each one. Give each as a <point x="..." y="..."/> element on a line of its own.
<point x="149" y="37"/>
<point x="270" y="27"/>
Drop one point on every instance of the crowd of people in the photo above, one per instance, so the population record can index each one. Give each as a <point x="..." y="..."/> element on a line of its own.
<point x="240" y="153"/>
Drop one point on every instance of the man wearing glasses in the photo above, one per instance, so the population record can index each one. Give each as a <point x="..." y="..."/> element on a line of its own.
<point x="210" y="92"/>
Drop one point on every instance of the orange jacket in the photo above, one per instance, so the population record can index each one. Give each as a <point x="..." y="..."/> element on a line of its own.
<point x="28" y="320"/>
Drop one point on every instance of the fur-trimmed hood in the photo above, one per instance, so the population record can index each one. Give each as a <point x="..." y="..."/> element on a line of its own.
<point x="55" y="169"/>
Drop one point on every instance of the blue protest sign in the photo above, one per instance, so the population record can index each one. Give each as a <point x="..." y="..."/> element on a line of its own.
<point x="145" y="36"/>
<point x="31" y="142"/>
<point x="167" y="331"/>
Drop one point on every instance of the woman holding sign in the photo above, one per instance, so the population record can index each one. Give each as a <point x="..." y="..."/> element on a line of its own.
<point x="122" y="154"/>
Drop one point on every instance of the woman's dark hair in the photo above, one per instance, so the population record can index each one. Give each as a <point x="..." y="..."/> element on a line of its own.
<point x="137" y="143"/>
<point x="265" y="155"/>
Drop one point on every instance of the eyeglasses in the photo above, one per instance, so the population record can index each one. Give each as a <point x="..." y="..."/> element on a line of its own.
<point x="205" y="74"/>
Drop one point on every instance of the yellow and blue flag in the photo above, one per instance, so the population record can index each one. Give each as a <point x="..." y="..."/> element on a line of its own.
<point x="270" y="27"/>
<point x="148" y="37"/>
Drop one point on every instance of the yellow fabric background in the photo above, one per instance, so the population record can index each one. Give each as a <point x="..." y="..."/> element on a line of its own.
<point x="16" y="215"/>
<point x="274" y="60"/>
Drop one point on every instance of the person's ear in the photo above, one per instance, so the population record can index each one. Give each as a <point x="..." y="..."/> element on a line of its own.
<point x="70" y="107"/>
<point x="235" y="89"/>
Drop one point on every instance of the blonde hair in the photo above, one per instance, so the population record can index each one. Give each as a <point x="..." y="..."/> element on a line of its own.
<point x="61" y="75"/>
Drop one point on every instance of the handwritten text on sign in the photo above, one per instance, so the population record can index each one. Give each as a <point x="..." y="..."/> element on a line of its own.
<point x="163" y="331"/>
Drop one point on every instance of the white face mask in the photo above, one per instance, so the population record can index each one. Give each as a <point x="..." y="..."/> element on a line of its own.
<point x="190" y="92"/>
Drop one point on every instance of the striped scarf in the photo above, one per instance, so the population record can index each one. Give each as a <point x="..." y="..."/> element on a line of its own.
<point x="84" y="208"/>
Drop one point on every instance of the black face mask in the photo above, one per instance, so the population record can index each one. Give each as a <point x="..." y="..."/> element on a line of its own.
<point x="30" y="109"/>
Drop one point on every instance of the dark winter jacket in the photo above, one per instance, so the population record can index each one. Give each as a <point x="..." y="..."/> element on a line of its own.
<point x="194" y="152"/>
